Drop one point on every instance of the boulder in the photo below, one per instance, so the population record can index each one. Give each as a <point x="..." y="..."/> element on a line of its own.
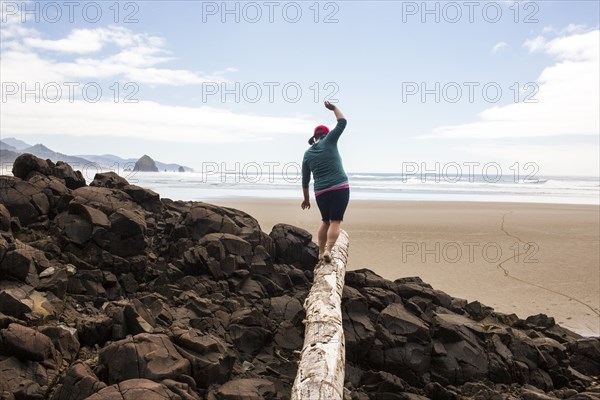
<point x="79" y="383"/>
<point x="26" y="379"/>
<point x="19" y="264"/>
<point x="137" y="389"/>
<point x="294" y="246"/>
<point x="73" y="179"/>
<point x="202" y="220"/>
<point x="23" y="200"/>
<point x="398" y="321"/>
<point x="585" y="355"/>
<point x="27" y="163"/>
<point x="245" y="389"/>
<point x="76" y="228"/>
<point x="109" y="180"/>
<point x="27" y="344"/>
<point x="155" y="356"/>
<point x="127" y="230"/>
<point x="146" y="198"/>
<point x="211" y="360"/>
<point x="104" y="199"/>
<point x="64" y="339"/>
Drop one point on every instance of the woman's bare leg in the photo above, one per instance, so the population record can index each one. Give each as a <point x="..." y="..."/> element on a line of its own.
<point x="322" y="237"/>
<point x="332" y="235"/>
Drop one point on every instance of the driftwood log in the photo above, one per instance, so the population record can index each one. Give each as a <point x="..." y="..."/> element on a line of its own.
<point x="321" y="369"/>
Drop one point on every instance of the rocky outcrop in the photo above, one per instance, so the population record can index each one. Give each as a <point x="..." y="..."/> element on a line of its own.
<point x="109" y="292"/>
<point x="145" y="164"/>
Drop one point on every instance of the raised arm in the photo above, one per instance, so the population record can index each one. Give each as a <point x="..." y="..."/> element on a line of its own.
<point x="336" y="111"/>
<point x="334" y="135"/>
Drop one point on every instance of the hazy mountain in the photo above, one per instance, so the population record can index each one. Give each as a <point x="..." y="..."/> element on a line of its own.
<point x="16" y="143"/>
<point x="44" y="152"/>
<point x="7" y="157"/>
<point x="6" y="146"/>
<point x="10" y="148"/>
<point x="172" y="167"/>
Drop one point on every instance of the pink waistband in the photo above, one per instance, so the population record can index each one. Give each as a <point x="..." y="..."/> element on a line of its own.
<point x="344" y="185"/>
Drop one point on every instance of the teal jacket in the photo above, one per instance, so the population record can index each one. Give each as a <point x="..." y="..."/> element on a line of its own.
<point x="324" y="161"/>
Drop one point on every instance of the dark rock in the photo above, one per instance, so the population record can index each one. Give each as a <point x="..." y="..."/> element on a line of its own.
<point x="435" y="391"/>
<point x="127" y="228"/>
<point x="18" y="264"/>
<point x="26" y="379"/>
<point x="247" y="329"/>
<point x="528" y="394"/>
<point x="382" y="383"/>
<point x="288" y="336"/>
<point x="91" y="215"/>
<point x="232" y="244"/>
<point x="23" y="200"/>
<point x="27" y="163"/>
<point x="26" y="344"/>
<point x="358" y="328"/>
<point x="398" y="321"/>
<point x="294" y="246"/>
<point x="54" y="280"/>
<point x="136" y="389"/>
<point x="286" y="308"/>
<point x="25" y="303"/>
<point x="585" y="355"/>
<point x="95" y="283"/>
<point x="77" y="228"/>
<point x="202" y="220"/>
<point x="4" y="218"/>
<point x="138" y="318"/>
<point x="109" y="180"/>
<point x="79" y="383"/>
<point x="94" y="330"/>
<point x="211" y="360"/>
<point x="154" y="355"/>
<point x="146" y="198"/>
<point x="64" y="340"/>
<point x="104" y="199"/>
<point x="245" y="389"/>
<point x="362" y="278"/>
<point x="73" y="179"/>
<point x="478" y="311"/>
<point x="145" y="164"/>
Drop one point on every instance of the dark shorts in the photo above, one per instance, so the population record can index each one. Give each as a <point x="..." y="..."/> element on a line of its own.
<point x="333" y="204"/>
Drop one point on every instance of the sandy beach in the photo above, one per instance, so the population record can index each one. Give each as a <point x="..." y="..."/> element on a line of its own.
<point x="518" y="258"/>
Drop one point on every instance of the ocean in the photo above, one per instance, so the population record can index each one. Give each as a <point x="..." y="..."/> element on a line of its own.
<point x="373" y="186"/>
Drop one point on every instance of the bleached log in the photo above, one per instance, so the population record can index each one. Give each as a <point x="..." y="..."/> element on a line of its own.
<point x="321" y="369"/>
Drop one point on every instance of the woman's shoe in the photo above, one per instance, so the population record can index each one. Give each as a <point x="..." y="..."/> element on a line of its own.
<point x="327" y="256"/>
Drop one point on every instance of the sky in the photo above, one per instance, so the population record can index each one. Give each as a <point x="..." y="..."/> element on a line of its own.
<point x="426" y="84"/>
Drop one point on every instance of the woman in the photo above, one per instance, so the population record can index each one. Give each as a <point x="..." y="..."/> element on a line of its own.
<point x="332" y="190"/>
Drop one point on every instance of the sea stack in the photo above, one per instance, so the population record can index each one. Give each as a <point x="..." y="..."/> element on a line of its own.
<point x="145" y="164"/>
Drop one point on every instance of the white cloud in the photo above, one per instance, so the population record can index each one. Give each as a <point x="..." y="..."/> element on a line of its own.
<point x="144" y="120"/>
<point x="498" y="47"/>
<point x="116" y="54"/>
<point x="27" y="57"/>
<point x="568" y="96"/>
